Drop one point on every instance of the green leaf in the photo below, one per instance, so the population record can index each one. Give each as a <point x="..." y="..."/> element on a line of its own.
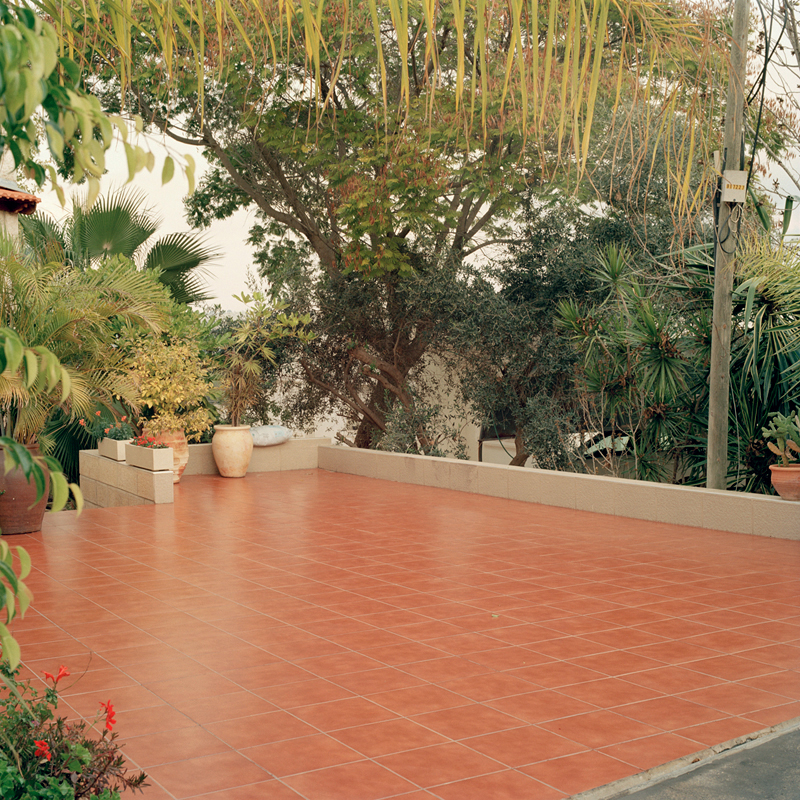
<point x="11" y="651"/>
<point x="77" y="496"/>
<point x="24" y="598"/>
<point x="787" y="214"/>
<point x="24" y="563"/>
<point x="168" y="171"/>
<point x="190" y="172"/>
<point x="66" y="385"/>
<point x="60" y="490"/>
<point x="8" y="574"/>
<point x="14" y="352"/>
<point x="31" y="367"/>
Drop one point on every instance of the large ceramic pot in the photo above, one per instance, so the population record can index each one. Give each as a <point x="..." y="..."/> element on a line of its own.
<point x="17" y="496"/>
<point x="786" y="480"/>
<point x="180" y="451"/>
<point x="232" y="447"/>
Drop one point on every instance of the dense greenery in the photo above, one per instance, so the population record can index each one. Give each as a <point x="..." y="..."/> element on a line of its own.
<point x="76" y="315"/>
<point x="645" y="344"/>
<point x="363" y="161"/>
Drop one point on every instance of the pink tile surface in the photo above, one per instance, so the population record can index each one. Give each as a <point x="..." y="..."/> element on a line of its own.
<point x="318" y="635"/>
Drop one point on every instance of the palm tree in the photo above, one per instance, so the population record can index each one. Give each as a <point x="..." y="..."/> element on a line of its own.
<point x="121" y="224"/>
<point x="76" y="315"/>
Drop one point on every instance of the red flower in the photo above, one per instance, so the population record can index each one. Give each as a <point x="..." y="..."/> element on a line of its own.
<point x="63" y="672"/>
<point x="42" y="750"/>
<point x="110" y="720"/>
<point x="124" y="419"/>
<point x="106" y="430"/>
<point x="97" y="413"/>
<point x="82" y="422"/>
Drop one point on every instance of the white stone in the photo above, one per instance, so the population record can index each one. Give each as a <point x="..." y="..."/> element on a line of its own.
<point x="267" y="435"/>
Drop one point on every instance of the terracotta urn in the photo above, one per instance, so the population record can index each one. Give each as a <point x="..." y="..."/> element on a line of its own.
<point x="180" y="450"/>
<point x="232" y="447"/>
<point x="16" y="497"/>
<point x="786" y="480"/>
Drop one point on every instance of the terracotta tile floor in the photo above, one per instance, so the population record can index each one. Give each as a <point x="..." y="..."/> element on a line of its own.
<point x="317" y="635"/>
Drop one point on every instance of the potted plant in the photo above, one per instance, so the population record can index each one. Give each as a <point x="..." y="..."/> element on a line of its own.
<point x="249" y="351"/>
<point x="786" y="432"/>
<point x="146" y="452"/>
<point x="111" y="435"/>
<point x="173" y="385"/>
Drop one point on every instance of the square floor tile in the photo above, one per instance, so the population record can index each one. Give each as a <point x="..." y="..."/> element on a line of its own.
<point x="577" y="773"/>
<point x="600" y="728"/>
<point x="391" y="736"/>
<point x="363" y="780"/>
<point x="442" y="763"/>
<point x="505" y="785"/>
<point x="521" y="746"/>
<point x="207" y="774"/>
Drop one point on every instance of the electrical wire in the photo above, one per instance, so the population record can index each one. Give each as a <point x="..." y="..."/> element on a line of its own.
<point x="731" y="228"/>
<point x="762" y="82"/>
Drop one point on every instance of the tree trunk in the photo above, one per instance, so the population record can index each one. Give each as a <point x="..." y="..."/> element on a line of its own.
<point x="521" y="455"/>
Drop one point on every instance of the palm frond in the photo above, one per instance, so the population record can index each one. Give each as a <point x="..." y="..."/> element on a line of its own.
<point x="176" y="256"/>
<point x="116" y="224"/>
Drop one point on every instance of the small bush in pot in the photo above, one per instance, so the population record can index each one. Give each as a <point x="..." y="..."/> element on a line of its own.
<point x="248" y="352"/>
<point x="111" y="435"/>
<point x="785" y="430"/>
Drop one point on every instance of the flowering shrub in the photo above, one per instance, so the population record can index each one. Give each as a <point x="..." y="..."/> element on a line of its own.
<point x="149" y="442"/>
<point x="47" y="758"/>
<point x="104" y="429"/>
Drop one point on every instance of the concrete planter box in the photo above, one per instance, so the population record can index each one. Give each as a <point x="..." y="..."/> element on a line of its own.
<point x="112" y="448"/>
<point x="147" y="458"/>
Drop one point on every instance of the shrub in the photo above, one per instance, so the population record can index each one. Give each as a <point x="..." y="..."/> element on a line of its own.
<point x="47" y="758"/>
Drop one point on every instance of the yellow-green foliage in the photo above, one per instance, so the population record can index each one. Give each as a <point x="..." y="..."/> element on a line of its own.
<point x="172" y="381"/>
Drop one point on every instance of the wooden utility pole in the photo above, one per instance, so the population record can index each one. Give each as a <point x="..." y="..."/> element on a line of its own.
<point x="726" y="236"/>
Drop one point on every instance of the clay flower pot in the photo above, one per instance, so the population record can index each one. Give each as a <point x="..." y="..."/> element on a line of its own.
<point x="16" y="497"/>
<point x="232" y="447"/>
<point x="786" y="480"/>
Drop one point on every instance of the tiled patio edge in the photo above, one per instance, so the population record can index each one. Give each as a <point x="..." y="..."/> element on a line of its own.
<point x="658" y="502"/>
<point x="690" y="763"/>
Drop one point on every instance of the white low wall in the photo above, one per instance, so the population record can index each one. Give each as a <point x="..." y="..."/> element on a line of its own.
<point x="738" y="512"/>
<point x="110" y="484"/>
<point x="294" y="454"/>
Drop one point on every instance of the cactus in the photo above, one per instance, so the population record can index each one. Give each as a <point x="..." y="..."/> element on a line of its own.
<point x="786" y="432"/>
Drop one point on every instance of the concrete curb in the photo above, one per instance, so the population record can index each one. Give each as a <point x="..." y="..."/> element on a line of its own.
<point x="687" y="764"/>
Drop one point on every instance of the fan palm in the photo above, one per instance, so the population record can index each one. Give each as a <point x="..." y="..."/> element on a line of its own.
<point x="121" y="224"/>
